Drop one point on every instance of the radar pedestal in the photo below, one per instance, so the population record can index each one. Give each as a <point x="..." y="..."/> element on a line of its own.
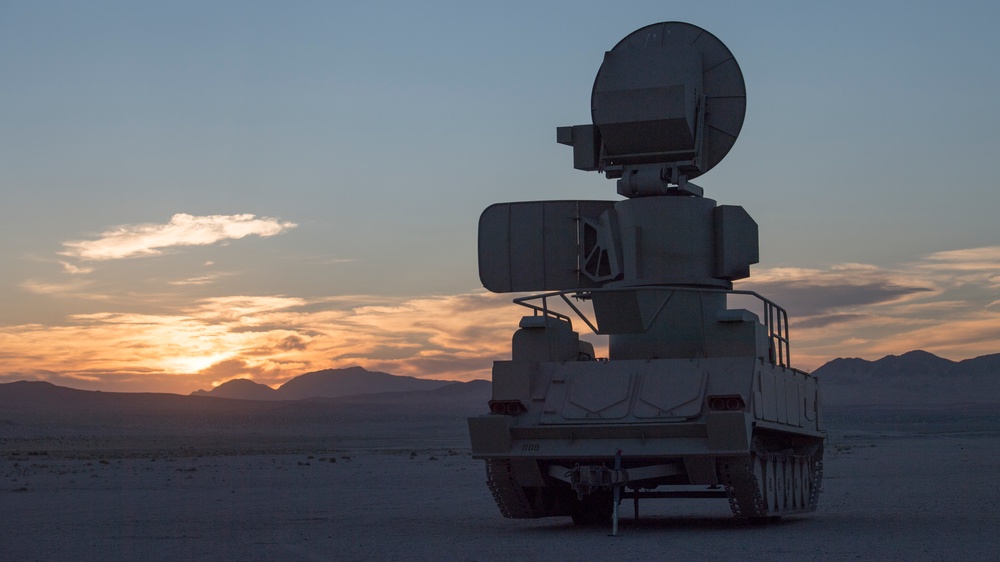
<point x="667" y="105"/>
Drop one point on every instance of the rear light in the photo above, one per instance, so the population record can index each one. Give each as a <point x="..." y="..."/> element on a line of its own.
<point x="728" y="403"/>
<point x="507" y="407"/>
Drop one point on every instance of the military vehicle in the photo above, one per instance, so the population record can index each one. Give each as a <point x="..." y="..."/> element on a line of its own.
<point x="695" y="399"/>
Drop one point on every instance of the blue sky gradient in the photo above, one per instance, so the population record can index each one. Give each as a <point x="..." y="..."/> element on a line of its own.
<point x="365" y="139"/>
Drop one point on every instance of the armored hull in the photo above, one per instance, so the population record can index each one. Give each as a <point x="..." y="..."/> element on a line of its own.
<point x="739" y="426"/>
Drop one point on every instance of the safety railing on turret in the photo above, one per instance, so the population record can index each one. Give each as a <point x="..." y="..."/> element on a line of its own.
<point x="775" y="318"/>
<point x="776" y="321"/>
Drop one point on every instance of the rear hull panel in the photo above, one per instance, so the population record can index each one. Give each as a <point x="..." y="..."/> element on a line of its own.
<point x="767" y="454"/>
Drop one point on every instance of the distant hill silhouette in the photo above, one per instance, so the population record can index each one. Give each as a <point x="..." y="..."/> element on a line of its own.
<point x="328" y="383"/>
<point x="31" y="408"/>
<point x="241" y="389"/>
<point x="53" y="403"/>
<point x="917" y="378"/>
<point x="333" y="383"/>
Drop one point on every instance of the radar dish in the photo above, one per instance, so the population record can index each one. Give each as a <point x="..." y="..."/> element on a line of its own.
<point x="669" y="93"/>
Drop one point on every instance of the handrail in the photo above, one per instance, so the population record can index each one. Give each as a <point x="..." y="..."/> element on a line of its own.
<point x="775" y="317"/>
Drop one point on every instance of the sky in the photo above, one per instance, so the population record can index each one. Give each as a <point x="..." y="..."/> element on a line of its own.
<point x="197" y="191"/>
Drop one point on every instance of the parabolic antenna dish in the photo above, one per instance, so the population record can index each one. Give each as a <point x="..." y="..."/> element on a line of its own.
<point x="668" y="93"/>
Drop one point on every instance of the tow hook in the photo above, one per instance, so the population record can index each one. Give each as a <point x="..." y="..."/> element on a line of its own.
<point x="585" y="479"/>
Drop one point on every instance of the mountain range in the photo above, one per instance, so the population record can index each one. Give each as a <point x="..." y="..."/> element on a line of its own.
<point x="917" y="378"/>
<point x="39" y="408"/>
<point x="328" y="383"/>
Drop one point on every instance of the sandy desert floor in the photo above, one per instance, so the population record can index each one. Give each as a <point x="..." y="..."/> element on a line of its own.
<point x="402" y="490"/>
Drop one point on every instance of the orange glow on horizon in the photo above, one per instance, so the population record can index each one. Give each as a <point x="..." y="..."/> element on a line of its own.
<point x="269" y="340"/>
<point x="868" y="312"/>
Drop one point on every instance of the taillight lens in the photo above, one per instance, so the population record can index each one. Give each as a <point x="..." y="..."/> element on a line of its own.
<point x="507" y="407"/>
<point x="728" y="403"/>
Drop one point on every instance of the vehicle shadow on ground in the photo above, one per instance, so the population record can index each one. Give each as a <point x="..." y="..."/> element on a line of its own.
<point x="663" y="523"/>
<point x="692" y="523"/>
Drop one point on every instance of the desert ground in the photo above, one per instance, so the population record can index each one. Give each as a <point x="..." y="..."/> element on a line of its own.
<point x="389" y="485"/>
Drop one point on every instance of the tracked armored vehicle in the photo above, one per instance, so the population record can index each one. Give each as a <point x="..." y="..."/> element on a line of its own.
<point x="697" y="397"/>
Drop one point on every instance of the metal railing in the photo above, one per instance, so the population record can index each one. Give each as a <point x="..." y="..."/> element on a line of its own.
<point x="775" y="318"/>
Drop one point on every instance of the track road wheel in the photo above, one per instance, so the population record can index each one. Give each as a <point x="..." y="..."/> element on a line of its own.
<point x="808" y="484"/>
<point x="763" y="479"/>
<point x="773" y="505"/>
<point x="786" y="489"/>
<point x="781" y="485"/>
<point x="801" y="486"/>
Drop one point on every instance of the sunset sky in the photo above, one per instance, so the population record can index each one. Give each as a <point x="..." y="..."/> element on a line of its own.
<point x="196" y="191"/>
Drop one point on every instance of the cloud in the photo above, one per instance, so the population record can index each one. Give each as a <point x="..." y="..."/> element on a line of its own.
<point x="231" y="369"/>
<point x="270" y="338"/>
<point x="129" y="241"/>
<point x="843" y="310"/>
<point x="69" y="288"/>
<point x="824" y="321"/>
<point x="809" y="292"/>
<point x="242" y="309"/>
<point x="200" y="280"/>
<point x="810" y="299"/>
<point x="985" y="258"/>
<point x="942" y="303"/>
<point x="75" y="270"/>
<point x="962" y="337"/>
